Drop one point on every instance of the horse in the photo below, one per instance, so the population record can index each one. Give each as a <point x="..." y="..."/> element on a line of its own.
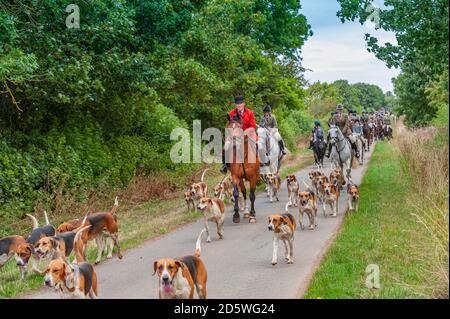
<point x="243" y="165"/>
<point x="319" y="148"/>
<point x="269" y="152"/>
<point x="360" y="145"/>
<point x="341" y="151"/>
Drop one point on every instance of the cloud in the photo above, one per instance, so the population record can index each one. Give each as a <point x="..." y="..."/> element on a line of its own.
<point x="340" y="52"/>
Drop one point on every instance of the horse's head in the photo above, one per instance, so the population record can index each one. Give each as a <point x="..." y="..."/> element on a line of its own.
<point x="335" y="134"/>
<point x="234" y="128"/>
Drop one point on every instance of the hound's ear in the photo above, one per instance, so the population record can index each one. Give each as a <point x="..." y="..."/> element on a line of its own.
<point x="210" y="200"/>
<point x="179" y="264"/>
<point x="155" y="264"/>
<point x="281" y="219"/>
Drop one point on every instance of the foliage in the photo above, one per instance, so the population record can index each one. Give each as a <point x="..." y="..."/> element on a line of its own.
<point x="87" y="109"/>
<point x="421" y="28"/>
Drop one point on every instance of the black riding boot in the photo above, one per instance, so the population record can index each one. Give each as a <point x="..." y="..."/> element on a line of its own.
<point x="355" y="148"/>
<point x="224" y="167"/>
<point x="327" y="154"/>
<point x="281" y="144"/>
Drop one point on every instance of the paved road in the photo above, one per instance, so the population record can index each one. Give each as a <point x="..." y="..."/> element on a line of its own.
<point x="239" y="266"/>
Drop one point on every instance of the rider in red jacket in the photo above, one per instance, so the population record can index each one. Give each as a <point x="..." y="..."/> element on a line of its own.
<point x="248" y="123"/>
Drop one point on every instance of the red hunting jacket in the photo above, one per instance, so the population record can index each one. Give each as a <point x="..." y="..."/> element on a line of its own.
<point x="248" y="120"/>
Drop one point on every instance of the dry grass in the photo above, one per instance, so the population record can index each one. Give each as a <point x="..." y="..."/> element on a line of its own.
<point x="425" y="163"/>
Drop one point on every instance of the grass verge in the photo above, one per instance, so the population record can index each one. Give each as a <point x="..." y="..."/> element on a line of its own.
<point x="142" y="222"/>
<point x="383" y="232"/>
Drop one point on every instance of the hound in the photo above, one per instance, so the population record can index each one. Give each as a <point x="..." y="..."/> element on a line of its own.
<point x="27" y="250"/>
<point x="313" y="176"/>
<point x="200" y="189"/>
<point x="9" y="246"/>
<point x="179" y="277"/>
<point x="292" y="187"/>
<point x="77" y="280"/>
<point x="213" y="210"/>
<point x="103" y="224"/>
<point x="223" y="189"/>
<point x="58" y="246"/>
<point x="337" y="179"/>
<point x="308" y="206"/>
<point x="189" y="200"/>
<point x="353" y="197"/>
<point x="283" y="227"/>
<point x="331" y="196"/>
<point x="273" y="183"/>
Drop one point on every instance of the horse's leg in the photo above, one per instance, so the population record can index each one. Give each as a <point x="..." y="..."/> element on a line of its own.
<point x="244" y="195"/>
<point x="236" y="217"/>
<point x="252" y="200"/>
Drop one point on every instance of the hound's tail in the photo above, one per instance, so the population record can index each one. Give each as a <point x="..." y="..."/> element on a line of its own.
<point x="306" y="185"/>
<point x="286" y="208"/>
<point x="46" y="218"/>
<point x="198" y="248"/>
<point x="79" y="246"/>
<point x="114" y="208"/>
<point x="35" y="222"/>
<point x="203" y="175"/>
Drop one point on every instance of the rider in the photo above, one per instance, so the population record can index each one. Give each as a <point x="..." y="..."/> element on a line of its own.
<point x="269" y="122"/>
<point x="342" y="121"/>
<point x="317" y="134"/>
<point x="365" y="117"/>
<point x="248" y="122"/>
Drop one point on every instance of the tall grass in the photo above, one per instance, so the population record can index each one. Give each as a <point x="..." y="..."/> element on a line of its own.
<point x="424" y="158"/>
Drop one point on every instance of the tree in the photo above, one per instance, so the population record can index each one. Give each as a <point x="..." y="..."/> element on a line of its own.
<point x="421" y="30"/>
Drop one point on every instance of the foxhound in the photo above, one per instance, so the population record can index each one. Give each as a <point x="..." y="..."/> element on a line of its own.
<point x="179" y="277"/>
<point x="283" y="227"/>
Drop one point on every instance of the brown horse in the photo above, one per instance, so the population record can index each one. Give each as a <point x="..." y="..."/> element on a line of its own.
<point x="243" y="165"/>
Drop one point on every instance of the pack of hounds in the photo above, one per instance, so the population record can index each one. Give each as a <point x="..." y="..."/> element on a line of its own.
<point x="63" y="248"/>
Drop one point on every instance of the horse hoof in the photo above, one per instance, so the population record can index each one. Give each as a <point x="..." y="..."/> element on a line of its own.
<point x="252" y="220"/>
<point x="236" y="220"/>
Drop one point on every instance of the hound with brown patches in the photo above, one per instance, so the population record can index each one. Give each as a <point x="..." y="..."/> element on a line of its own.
<point x="200" y="189"/>
<point x="25" y="251"/>
<point x="321" y="180"/>
<point x="283" y="227"/>
<point x="213" y="210"/>
<point x="189" y="199"/>
<point x="273" y="184"/>
<point x="308" y="206"/>
<point x="223" y="189"/>
<point x="331" y="197"/>
<point x="73" y="280"/>
<point x="103" y="224"/>
<point x="179" y="277"/>
<point x="353" y="197"/>
<point x="9" y="246"/>
<point x="58" y="246"/>
<point x="337" y="179"/>
<point x="292" y="187"/>
<point x="314" y="177"/>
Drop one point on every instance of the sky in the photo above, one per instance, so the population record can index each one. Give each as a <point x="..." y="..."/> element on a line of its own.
<point x="338" y="51"/>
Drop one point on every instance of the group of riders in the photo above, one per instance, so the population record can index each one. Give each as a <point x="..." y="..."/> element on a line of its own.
<point x="367" y="127"/>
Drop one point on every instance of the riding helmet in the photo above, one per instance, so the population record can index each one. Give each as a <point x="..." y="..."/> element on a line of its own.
<point x="267" y="109"/>
<point x="339" y="107"/>
<point x="316" y="123"/>
<point x="239" y="99"/>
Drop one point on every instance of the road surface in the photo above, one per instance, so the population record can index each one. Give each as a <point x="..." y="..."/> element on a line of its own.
<point x="239" y="266"/>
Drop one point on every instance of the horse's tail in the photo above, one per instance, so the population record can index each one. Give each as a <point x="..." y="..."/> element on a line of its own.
<point x="203" y="175"/>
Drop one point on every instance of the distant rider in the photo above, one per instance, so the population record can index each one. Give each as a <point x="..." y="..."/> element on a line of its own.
<point x="341" y="120"/>
<point x="270" y="122"/>
<point x="317" y="134"/>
